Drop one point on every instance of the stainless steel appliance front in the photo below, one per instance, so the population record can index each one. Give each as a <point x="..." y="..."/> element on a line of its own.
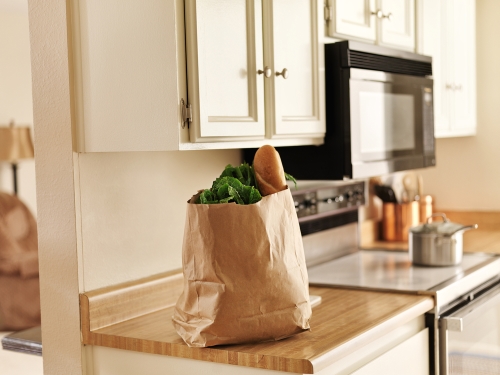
<point x="391" y="122"/>
<point x="469" y="334"/>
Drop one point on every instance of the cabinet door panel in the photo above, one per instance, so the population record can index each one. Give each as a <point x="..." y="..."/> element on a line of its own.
<point x="399" y="31"/>
<point x="411" y="357"/>
<point x="464" y="90"/>
<point x="353" y="18"/>
<point x="224" y="44"/>
<point x="293" y="104"/>
<point x="433" y="42"/>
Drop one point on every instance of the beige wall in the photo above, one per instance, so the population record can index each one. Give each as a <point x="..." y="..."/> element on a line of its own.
<point x="15" y="90"/>
<point x="467" y="176"/>
<point x="133" y="210"/>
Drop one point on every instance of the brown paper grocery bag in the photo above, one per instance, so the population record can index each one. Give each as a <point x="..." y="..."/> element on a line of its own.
<point x="245" y="277"/>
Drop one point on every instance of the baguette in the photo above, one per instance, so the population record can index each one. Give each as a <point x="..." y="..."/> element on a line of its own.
<point x="269" y="172"/>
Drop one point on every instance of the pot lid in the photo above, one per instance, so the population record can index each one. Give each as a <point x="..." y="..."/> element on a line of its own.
<point x="445" y="227"/>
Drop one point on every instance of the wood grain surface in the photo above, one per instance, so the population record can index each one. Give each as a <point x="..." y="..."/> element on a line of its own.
<point x="343" y="322"/>
<point x="486" y="220"/>
<point x="125" y="301"/>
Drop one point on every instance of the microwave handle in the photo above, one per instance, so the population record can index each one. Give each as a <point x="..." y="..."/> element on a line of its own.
<point x="472" y="311"/>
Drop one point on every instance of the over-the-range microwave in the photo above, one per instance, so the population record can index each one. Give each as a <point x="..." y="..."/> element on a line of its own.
<point x="379" y="114"/>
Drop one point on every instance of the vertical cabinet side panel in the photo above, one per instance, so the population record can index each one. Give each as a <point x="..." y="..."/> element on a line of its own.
<point x="127" y="65"/>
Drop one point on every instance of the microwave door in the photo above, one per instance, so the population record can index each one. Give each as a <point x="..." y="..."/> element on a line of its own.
<point x="387" y="124"/>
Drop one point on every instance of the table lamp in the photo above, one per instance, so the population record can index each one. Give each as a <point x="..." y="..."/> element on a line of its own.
<point x="15" y="144"/>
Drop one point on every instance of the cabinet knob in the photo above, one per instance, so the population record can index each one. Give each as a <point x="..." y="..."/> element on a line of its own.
<point x="267" y="72"/>
<point x="452" y="86"/>
<point x="381" y="15"/>
<point x="283" y="73"/>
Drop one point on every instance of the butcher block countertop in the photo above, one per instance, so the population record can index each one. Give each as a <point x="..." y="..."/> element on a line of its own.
<point x="137" y="316"/>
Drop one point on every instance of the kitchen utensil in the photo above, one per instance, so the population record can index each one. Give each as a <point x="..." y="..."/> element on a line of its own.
<point x="425" y="207"/>
<point x="420" y="188"/>
<point x="437" y="243"/>
<point x="409" y="184"/>
<point x="385" y="193"/>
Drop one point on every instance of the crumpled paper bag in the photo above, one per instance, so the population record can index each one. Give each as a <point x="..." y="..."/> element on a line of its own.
<point x="245" y="276"/>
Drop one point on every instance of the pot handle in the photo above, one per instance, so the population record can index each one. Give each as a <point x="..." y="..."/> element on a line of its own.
<point x="464" y="228"/>
<point x="441" y="215"/>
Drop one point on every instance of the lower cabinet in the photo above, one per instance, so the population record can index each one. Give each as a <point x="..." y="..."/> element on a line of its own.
<point x="404" y="350"/>
<point x="411" y="357"/>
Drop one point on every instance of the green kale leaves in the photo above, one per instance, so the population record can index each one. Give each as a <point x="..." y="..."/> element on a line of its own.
<point x="235" y="184"/>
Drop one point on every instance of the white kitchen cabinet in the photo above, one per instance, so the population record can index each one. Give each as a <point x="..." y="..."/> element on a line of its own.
<point x="404" y="350"/>
<point x="128" y="75"/>
<point x="294" y="103"/>
<point x="255" y="72"/>
<point x="137" y="64"/>
<point x="411" y="357"/>
<point x="448" y="35"/>
<point x="385" y="22"/>
<point x="398" y="29"/>
<point x="224" y="54"/>
<point x="352" y="19"/>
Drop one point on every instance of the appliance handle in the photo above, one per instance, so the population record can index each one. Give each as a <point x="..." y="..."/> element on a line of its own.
<point x="460" y="319"/>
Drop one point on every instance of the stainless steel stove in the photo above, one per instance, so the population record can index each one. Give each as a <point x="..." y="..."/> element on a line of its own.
<point x="465" y="323"/>
<point x="393" y="271"/>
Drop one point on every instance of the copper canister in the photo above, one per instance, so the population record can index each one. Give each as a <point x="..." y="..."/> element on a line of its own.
<point x="398" y="218"/>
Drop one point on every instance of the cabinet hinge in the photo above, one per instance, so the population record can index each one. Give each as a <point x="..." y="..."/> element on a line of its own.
<point x="187" y="115"/>
<point x="328" y="13"/>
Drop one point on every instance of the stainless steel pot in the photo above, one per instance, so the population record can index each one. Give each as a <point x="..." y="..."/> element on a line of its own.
<point x="437" y="243"/>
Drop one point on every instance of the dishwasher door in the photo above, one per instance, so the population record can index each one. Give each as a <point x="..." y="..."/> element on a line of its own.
<point x="470" y="337"/>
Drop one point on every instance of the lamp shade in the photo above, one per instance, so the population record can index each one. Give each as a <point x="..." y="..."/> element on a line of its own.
<point x="15" y="143"/>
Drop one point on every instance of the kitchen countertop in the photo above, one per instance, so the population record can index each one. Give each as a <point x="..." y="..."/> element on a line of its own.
<point x="344" y="321"/>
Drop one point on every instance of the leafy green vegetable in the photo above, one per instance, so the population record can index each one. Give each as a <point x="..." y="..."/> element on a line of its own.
<point x="289" y="177"/>
<point x="235" y="184"/>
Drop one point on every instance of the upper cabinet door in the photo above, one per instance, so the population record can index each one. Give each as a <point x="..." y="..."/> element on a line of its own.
<point x="463" y="82"/>
<point x="432" y="43"/>
<point x="294" y="100"/>
<point x="397" y="23"/>
<point x="448" y="35"/>
<point x="224" y="55"/>
<point x="353" y="18"/>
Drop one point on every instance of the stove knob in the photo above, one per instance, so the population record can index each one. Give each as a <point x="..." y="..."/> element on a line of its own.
<point x="349" y="195"/>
